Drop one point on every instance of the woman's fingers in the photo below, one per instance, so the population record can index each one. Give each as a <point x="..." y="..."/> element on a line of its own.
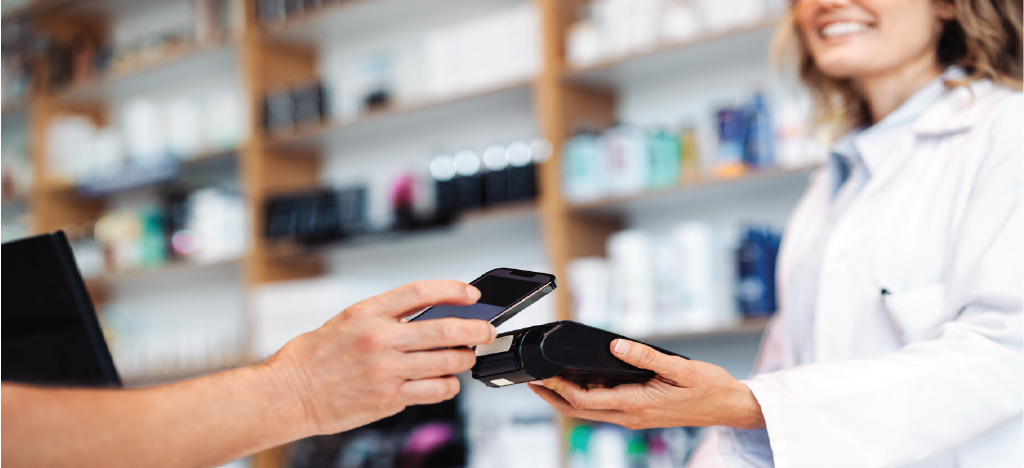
<point x="563" y="406"/>
<point x="618" y="398"/>
<point x="646" y="357"/>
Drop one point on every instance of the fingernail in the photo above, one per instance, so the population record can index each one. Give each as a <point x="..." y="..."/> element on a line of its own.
<point x="472" y="292"/>
<point x="621" y="347"/>
<point x="539" y="383"/>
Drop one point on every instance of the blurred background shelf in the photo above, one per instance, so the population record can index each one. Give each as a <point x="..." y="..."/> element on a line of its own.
<point x="703" y="190"/>
<point x="473" y="219"/>
<point x="192" y="172"/>
<point x="354" y="18"/>
<point x="171" y="267"/>
<point x="401" y="116"/>
<point x="738" y="44"/>
<point x="167" y="67"/>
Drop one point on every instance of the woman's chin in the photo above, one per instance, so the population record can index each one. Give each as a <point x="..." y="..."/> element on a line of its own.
<point x="843" y="69"/>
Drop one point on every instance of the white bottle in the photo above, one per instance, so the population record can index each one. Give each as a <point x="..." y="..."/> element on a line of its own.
<point x="627" y="161"/>
<point x="589" y="282"/>
<point x="692" y="247"/>
<point x="584" y="45"/>
<point x="632" y="304"/>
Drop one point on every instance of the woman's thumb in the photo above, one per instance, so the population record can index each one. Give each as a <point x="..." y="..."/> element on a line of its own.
<point x="641" y="355"/>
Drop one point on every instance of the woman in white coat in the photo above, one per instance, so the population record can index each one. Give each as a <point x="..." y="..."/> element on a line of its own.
<point x="899" y="337"/>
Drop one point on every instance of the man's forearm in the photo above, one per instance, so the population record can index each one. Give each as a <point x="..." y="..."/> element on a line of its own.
<point x="205" y="421"/>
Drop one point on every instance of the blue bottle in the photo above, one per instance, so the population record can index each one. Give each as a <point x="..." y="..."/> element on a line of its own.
<point x="759" y="150"/>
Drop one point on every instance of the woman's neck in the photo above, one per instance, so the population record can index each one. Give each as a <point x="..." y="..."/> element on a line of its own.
<point x="886" y="91"/>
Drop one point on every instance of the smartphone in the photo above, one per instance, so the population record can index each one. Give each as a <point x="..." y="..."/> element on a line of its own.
<point x="504" y="292"/>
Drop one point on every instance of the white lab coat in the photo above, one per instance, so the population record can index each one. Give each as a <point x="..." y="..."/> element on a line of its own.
<point x="932" y="375"/>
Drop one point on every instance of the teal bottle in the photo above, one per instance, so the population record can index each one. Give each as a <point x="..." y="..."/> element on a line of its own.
<point x="665" y="165"/>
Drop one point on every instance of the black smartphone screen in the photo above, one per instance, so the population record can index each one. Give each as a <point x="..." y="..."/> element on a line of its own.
<point x="497" y="293"/>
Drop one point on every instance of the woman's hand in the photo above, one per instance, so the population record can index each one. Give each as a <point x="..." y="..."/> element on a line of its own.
<point x="684" y="393"/>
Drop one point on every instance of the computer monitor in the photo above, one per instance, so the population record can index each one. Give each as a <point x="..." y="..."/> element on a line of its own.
<point x="50" y="332"/>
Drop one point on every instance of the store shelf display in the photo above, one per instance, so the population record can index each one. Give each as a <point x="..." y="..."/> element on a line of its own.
<point x="692" y="280"/>
<point x="89" y="65"/>
<point x="396" y="117"/>
<point x="499" y="182"/>
<point x="154" y="142"/>
<point x="606" y="445"/>
<point x="479" y="61"/>
<point x="201" y="228"/>
<point x="608" y="32"/>
<point x="150" y="350"/>
<point x="627" y="161"/>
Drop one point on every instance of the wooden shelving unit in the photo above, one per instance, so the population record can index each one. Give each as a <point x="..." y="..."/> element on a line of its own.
<point x="276" y="55"/>
<point x="172" y="64"/>
<point x="676" y="58"/>
<point x="170" y="267"/>
<point x="699" y="188"/>
<point x="397" y="115"/>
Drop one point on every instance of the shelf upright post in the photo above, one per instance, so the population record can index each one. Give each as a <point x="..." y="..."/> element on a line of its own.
<point x="54" y="205"/>
<point x="560" y="105"/>
<point x="268" y="65"/>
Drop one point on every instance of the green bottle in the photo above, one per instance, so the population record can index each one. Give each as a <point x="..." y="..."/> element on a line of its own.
<point x="664" y="154"/>
<point x="153" y="251"/>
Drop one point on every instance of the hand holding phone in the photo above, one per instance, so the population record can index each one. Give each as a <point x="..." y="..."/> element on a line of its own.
<point x="504" y="292"/>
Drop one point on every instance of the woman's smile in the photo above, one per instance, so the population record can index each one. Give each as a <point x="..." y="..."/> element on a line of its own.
<point x="835" y="31"/>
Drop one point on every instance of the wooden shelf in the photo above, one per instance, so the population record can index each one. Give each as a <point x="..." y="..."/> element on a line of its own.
<point x="352" y="18"/>
<point x="176" y="64"/>
<point x="400" y="116"/>
<point x="702" y="189"/>
<point x="744" y="43"/>
<point x="745" y="326"/>
<point x="287" y="250"/>
<point x="171" y="267"/>
<point x="167" y="173"/>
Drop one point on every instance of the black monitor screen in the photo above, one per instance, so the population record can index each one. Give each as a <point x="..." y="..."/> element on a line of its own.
<point x="50" y="332"/>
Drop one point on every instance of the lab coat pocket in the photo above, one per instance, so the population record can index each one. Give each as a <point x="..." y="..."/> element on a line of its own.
<point x="918" y="312"/>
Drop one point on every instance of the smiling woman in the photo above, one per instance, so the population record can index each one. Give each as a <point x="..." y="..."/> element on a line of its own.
<point x="839" y="44"/>
<point x="898" y="340"/>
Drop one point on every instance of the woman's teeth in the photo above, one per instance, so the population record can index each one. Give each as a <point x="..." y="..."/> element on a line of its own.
<point x="842" y="29"/>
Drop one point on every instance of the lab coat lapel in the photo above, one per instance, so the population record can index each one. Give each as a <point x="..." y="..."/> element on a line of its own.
<point x="884" y="159"/>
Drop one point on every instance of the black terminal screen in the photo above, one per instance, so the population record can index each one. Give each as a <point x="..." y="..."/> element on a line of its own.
<point x="496" y="294"/>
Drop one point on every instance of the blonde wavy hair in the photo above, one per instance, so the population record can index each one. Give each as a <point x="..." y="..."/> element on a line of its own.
<point x="984" y="39"/>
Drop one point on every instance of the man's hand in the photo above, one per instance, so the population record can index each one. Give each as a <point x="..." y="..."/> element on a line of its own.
<point x="366" y="363"/>
<point x="362" y="365"/>
<point x="684" y="393"/>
